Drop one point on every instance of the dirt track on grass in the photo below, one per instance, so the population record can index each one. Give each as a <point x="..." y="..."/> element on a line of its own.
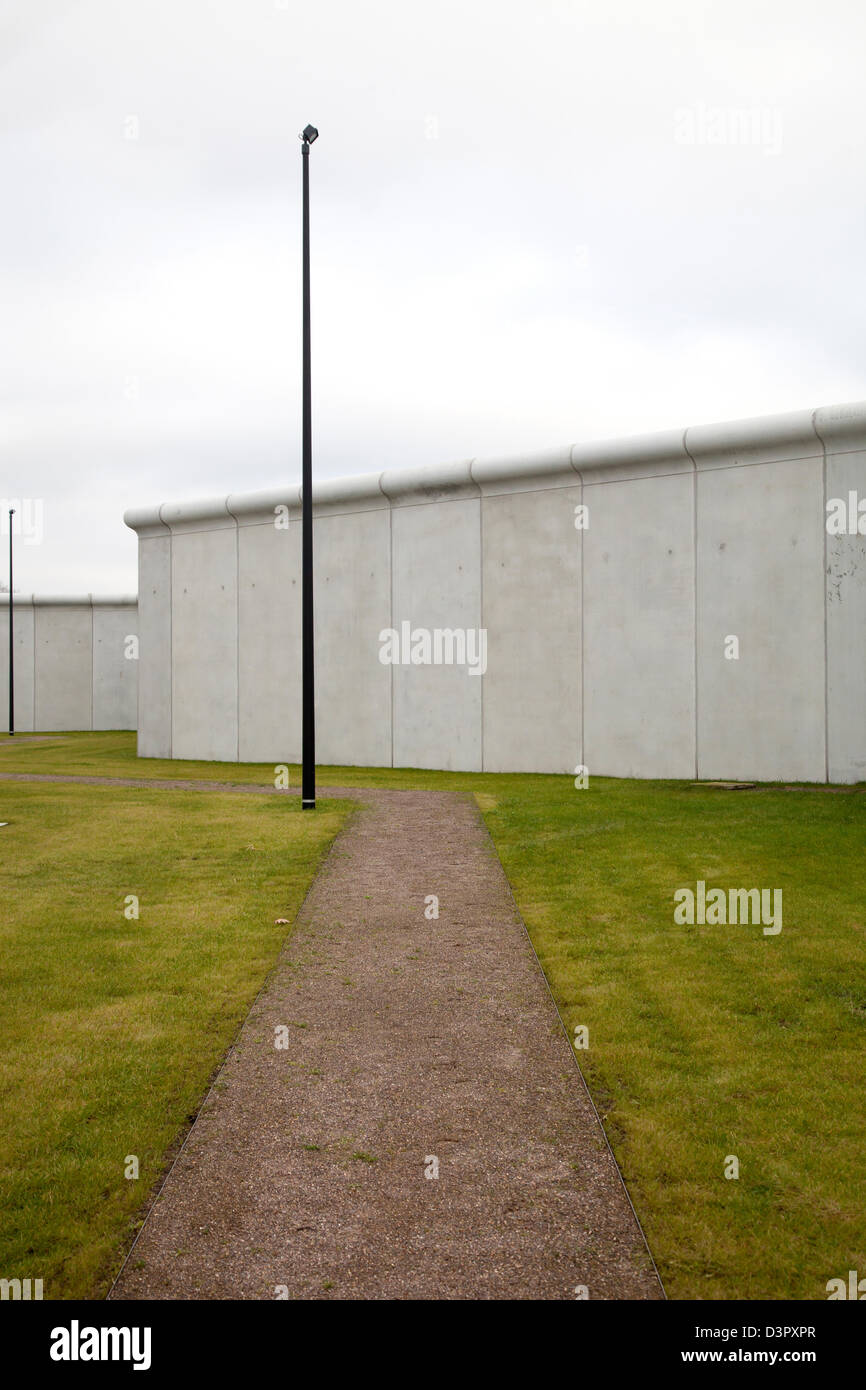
<point x="415" y="1046"/>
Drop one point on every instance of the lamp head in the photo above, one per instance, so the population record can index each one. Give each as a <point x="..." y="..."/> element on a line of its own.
<point x="309" y="134"/>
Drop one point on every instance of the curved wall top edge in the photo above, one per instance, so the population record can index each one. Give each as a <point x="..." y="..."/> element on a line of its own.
<point x="145" y="520"/>
<point x="548" y="468"/>
<point x="798" y="434"/>
<point x="766" y="438"/>
<point x="249" y="508"/>
<point x="433" y="483"/>
<point x="71" y="600"/>
<point x="841" y="424"/>
<point x="199" y="514"/>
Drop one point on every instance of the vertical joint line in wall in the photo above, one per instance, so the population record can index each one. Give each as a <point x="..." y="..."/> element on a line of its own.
<point x="824" y="605"/>
<point x="170" y="637"/>
<point x="580" y="611"/>
<point x="92" y="661"/>
<point x="237" y="642"/>
<point x="138" y="668"/>
<point x="694" y="594"/>
<point x="480" y="603"/>
<point x="580" y="617"/>
<point x="171" y="644"/>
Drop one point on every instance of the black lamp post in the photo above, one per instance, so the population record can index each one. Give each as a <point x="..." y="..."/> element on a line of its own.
<point x="11" y="646"/>
<point x="308" y="772"/>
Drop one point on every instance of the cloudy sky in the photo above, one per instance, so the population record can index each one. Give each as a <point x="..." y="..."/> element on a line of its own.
<point x="533" y="223"/>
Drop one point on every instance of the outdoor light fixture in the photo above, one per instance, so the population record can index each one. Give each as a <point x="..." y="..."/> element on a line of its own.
<point x="308" y="698"/>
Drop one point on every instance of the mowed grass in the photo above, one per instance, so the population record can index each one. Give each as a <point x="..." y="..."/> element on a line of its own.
<point x="712" y="1041"/>
<point x="704" y="1042"/>
<point x="111" y="1028"/>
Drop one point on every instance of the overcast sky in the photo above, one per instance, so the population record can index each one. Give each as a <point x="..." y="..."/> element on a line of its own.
<point x="533" y="224"/>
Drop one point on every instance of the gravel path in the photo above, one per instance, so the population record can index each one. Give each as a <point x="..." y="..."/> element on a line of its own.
<point x="414" y="1046"/>
<point x="165" y="783"/>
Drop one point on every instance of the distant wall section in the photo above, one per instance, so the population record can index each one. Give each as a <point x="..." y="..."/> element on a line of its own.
<point x="75" y="665"/>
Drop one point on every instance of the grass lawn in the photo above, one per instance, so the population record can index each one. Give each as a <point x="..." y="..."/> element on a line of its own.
<point x="111" y="1028"/>
<point x="704" y="1041"/>
<point x="709" y="1041"/>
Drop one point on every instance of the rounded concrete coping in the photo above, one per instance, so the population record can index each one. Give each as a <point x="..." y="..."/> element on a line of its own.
<point x="762" y="439"/>
<point x="442" y="482"/>
<point x="519" y="473"/>
<point x="361" y="493"/>
<point x="73" y="600"/>
<point x="201" y="514"/>
<point x="842" y="425"/>
<point x="638" y="457"/>
<point x="765" y="439"/>
<point x="145" y="520"/>
<point x="260" y="508"/>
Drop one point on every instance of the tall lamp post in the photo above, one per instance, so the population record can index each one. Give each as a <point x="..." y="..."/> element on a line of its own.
<point x="11" y="645"/>
<point x="308" y="772"/>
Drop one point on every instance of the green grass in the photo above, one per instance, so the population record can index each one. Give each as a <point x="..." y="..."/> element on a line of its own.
<point x="111" y="1027"/>
<point x="704" y="1041"/>
<point x="113" y="754"/>
<point x="710" y="1041"/>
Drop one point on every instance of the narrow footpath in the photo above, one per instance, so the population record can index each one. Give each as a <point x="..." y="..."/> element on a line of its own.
<point x="401" y="1115"/>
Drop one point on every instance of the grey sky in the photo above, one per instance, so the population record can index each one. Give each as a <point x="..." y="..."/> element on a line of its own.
<point x="533" y="223"/>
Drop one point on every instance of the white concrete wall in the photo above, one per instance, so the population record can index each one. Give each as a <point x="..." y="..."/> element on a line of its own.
<point x="154" y="633"/>
<point x="204" y="631"/>
<point x="268" y="560"/>
<point x="72" y="670"/>
<point x="638" y="611"/>
<point x="531" y="603"/>
<point x="760" y="579"/>
<point x="606" y="645"/>
<point x="436" y="583"/>
<point x="352" y="585"/>
<point x="841" y="430"/>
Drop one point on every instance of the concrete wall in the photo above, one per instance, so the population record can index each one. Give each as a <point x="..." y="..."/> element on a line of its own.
<point x="71" y="665"/>
<point x="609" y="644"/>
